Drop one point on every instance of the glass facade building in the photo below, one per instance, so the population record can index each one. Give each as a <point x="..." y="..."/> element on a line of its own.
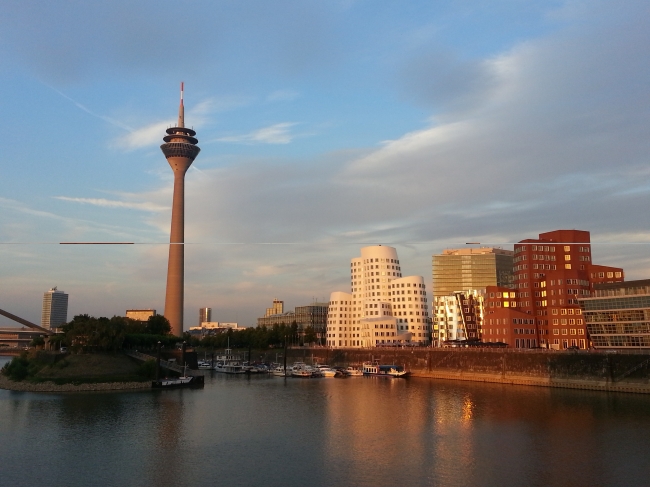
<point x="458" y="269"/>
<point x="618" y="315"/>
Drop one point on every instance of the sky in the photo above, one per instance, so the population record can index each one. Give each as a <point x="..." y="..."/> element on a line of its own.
<point x="324" y="126"/>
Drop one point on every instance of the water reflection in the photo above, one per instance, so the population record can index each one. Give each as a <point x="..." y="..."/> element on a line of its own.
<point x="358" y="431"/>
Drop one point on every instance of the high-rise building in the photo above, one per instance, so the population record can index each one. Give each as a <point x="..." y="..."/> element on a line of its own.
<point x="551" y="274"/>
<point x="55" y="309"/>
<point x="180" y="149"/>
<point x="383" y="308"/>
<point x="617" y="315"/>
<point x="205" y="315"/>
<point x="276" y="309"/>
<point x="456" y="270"/>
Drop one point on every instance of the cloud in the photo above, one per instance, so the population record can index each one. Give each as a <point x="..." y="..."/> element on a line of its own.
<point x="143" y="206"/>
<point x="278" y="133"/>
<point x="282" y="95"/>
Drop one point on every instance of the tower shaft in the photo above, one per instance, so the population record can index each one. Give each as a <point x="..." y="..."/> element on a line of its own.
<point x="175" y="293"/>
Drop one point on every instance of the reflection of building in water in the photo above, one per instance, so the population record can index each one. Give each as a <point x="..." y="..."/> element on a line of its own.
<point x="379" y="437"/>
<point x="383" y="308"/>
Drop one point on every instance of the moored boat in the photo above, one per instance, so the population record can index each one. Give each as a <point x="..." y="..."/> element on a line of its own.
<point x="183" y="381"/>
<point x="326" y="371"/>
<point x="376" y="370"/>
<point x="354" y="371"/>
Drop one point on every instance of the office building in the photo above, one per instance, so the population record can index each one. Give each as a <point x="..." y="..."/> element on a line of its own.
<point x="205" y="315"/>
<point x="457" y="317"/>
<point x="471" y="268"/>
<point x="383" y="307"/>
<point x="55" y="309"/>
<point x="140" y="314"/>
<point x="276" y="309"/>
<point x="617" y="315"/>
<point x="180" y="150"/>
<point x="551" y="274"/>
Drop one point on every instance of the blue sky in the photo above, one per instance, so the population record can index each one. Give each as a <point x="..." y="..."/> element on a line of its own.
<point x="324" y="125"/>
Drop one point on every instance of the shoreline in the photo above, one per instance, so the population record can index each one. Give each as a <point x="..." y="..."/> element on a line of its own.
<point x="26" y="386"/>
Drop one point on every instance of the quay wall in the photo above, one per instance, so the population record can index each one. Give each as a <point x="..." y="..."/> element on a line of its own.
<point x="621" y="372"/>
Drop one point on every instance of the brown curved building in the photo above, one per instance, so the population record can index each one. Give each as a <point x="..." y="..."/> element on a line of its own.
<point x="180" y="149"/>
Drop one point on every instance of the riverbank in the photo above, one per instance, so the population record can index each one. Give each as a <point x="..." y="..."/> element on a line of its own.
<point x="607" y="372"/>
<point x="56" y="372"/>
<point x="25" y="386"/>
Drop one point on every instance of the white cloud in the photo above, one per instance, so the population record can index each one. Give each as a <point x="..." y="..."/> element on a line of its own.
<point x="282" y="95"/>
<point x="279" y="133"/>
<point x="143" y="206"/>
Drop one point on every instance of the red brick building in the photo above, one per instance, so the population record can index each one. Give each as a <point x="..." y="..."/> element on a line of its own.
<point x="504" y="322"/>
<point x="550" y="273"/>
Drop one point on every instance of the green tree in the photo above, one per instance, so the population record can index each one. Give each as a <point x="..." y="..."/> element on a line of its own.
<point x="158" y="325"/>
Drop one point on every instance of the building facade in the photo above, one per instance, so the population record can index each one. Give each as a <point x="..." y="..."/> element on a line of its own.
<point x="458" y="316"/>
<point x="471" y="268"/>
<point x="140" y="314"/>
<point x="551" y="274"/>
<point x="383" y="308"/>
<point x="617" y="315"/>
<point x="55" y="309"/>
<point x="205" y="315"/>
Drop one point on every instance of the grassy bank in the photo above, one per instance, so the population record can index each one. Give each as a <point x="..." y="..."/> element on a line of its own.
<point x="89" y="368"/>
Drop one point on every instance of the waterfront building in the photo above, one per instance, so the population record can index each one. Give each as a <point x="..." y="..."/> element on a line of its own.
<point x="311" y="315"/>
<point x="140" y="314"/>
<point x="458" y="316"/>
<point x="180" y="150"/>
<point x="617" y="315"/>
<point x="471" y="268"/>
<point x="383" y="307"/>
<point x="551" y="274"/>
<point x="55" y="309"/>
<point x="205" y="315"/>
<point x="314" y="316"/>
<point x="504" y="323"/>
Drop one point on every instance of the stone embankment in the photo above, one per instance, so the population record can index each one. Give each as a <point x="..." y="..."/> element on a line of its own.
<point x="620" y="372"/>
<point x="26" y="386"/>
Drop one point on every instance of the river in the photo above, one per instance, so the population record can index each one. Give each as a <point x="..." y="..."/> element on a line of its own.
<point x="270" y="431"/>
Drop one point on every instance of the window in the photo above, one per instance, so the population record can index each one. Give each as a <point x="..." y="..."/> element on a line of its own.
<point x="567" y="266"/>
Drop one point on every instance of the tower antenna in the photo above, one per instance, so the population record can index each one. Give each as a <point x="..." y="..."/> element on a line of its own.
<point x="181" y="109"/>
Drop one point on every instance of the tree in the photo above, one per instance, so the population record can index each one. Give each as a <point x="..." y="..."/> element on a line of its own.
<point x="158" y="325"/>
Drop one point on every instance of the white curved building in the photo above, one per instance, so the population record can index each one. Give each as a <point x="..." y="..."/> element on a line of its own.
<point x="375" y="313"/>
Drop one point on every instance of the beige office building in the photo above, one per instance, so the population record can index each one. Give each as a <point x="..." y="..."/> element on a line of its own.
<point x="461" y="269"/>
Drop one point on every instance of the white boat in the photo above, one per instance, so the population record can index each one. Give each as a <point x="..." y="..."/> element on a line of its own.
<point x="204" y="365"/>
<point x="299" y="369"/>
<point x="326" y="371"/>
<point x="229" y="363"/>
<point x="376" y="370"/>
<point x="354" y="372"/>
<point x="279" y="371"/>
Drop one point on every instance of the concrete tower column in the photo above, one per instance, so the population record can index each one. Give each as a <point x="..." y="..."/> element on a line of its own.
<point x="180" y="149"/>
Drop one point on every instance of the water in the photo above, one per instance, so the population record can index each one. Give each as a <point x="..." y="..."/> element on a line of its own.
<point x="271" y="431"/>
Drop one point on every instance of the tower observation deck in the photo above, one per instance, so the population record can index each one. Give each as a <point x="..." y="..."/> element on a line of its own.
<point x="180" y="149"/>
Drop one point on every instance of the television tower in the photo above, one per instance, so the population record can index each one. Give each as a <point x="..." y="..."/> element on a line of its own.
<point x="180" y="149"/>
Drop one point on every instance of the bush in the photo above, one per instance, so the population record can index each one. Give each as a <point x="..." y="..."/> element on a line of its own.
<point x="17" y="369"/>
